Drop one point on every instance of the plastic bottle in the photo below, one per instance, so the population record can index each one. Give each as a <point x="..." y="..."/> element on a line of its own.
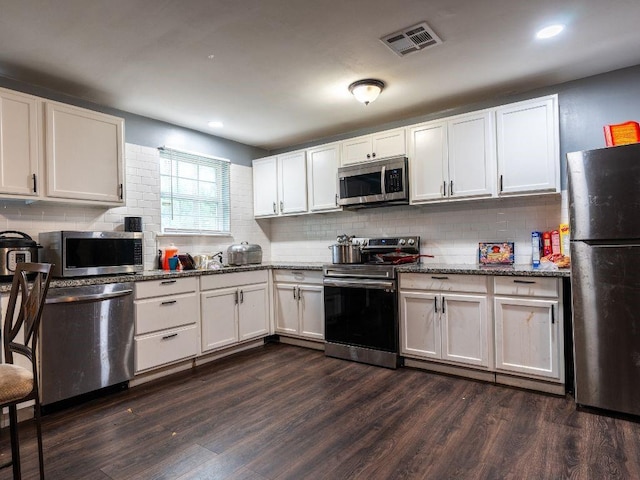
<point x="170" y="251"/>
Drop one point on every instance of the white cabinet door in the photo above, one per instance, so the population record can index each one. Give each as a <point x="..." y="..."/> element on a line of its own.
<point x="253" y="318"/>
<point x="356" y="150"/>
<point x="19" y="143"/>
<point x="428" y="162"/>
<point x="528" y="146"/>
<point x="389" y="143"/>
<point x="286" y="308"/>
<point x="471" y="155"/>
<point x="322" y="171"/>
<point x="219" y="312"/>
<point x="527" y="336"/>
<point x="84" y="154"/>
<point x="420" y="324"/>
<point x="464" y="329"/>
<point x="265" y="187"/>
<point x="311" y="311"/>
<point x="292" y="174"/>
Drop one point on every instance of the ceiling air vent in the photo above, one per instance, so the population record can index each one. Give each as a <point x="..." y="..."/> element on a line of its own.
<point x="411" y="39"/>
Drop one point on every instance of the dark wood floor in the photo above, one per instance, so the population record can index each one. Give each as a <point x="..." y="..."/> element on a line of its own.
<point x="283" y="412"/>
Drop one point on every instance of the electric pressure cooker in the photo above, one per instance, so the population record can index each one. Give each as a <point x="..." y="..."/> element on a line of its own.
<point x="15" y="249"/>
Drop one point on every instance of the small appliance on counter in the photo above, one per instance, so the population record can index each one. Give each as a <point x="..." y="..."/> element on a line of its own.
<point x="15" y="249"/>
<point x="244" y="254"/>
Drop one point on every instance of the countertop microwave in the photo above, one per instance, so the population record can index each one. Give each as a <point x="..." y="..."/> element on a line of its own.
<point x="372" y="184"/>
<point x="81" y="254"/>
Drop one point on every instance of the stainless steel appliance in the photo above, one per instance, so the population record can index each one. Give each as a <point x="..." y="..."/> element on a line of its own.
<point x="86" y="340"/>
<point x="361" y="304"/>
<point x="244" y="254"/>
<point x="373" y="184"/>
<point x="15" y="247"/>
<point x="77" y="254"/>
<point x="604" y="204"/>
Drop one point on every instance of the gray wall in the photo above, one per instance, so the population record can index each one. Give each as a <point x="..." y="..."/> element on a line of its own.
<point x="154" y="133"/>
<point x="585" y="106"/>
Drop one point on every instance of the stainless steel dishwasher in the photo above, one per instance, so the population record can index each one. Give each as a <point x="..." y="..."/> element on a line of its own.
<point x="86" y="340"/>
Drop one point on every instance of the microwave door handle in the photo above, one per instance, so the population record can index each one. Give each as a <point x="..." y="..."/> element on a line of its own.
<point x="382" y="181"/>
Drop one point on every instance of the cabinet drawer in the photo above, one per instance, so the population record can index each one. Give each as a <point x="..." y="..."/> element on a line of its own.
<point x="526" y="286"/>
<point x="166" y="347"/>
<point x="444" y="282"/>
<point x="156" y="314"/>
<point x="223" y="280"/>
<point x="297" y="276"/>
<point x="169" y="286"/>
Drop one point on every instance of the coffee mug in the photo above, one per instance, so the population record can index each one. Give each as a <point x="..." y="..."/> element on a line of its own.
<point x="173" y="263"/>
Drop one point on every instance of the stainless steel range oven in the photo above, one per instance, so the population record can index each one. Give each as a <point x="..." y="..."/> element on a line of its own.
<point x="361" y="304"/>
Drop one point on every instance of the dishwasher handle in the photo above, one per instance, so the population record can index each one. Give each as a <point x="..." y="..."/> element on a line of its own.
<point x="88" y="298"/>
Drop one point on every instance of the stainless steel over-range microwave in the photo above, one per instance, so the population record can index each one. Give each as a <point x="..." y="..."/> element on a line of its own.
<point x="81" y="254"/>
<point x="372" y="184"/>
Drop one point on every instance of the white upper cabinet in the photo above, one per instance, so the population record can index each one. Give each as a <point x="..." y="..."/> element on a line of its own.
<point x="528" y="146"/>
<point x="19" y="143"/>
<point x="322" y="170"/>
<point x="452" y="158"/>
<point x="265" y="187"/>
<point x="471" y="155"/>
<point x="84" y="154"/>
<point x="389" y="143"/>
<point x="292" y="182"/>
<point x="280" y="185"/>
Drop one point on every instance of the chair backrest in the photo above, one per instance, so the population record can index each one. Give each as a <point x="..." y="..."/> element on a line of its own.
<point x="31" y="295"/>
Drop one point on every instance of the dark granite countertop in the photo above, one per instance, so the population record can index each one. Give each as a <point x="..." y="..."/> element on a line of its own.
<point x="523" y="270"/>
<point x="515" y="270"/>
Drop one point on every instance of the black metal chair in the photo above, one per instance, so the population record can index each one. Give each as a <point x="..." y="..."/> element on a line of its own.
<point x="19" y="384"/>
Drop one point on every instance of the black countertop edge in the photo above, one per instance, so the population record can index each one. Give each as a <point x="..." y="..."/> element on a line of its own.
<point x="515" y="270"/>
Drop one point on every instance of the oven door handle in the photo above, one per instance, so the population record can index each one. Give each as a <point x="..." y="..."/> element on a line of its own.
<point x="360" y="283"/>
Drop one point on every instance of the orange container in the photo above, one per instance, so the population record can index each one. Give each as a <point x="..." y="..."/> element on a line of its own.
<point x="170" y="251"/>
<point x="622" y="133"/>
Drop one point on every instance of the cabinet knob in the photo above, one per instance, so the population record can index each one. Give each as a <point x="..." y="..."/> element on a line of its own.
<point x="368" y="155"/>
<point x="373" y="155"/>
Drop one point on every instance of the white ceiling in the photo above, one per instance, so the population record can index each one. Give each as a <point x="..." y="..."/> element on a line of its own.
<point x="281" y="68"/>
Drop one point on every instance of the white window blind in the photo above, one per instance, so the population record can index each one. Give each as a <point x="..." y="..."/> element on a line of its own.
<point x="194" y="192"/>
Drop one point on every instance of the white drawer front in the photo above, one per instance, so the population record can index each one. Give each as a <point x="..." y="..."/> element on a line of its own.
<point x="527" y="286"/>
<point x="169" y="286"/>
<point x="166" y="347"/>
<point x="444" y="282"/>
<point x="297" y="276"/>
<point x="224" y="280"/>
<point x="156" y="314"/>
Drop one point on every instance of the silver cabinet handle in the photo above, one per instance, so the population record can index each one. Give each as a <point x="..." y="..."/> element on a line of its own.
<point x="35" y="185"/>
<point x="274" y="207"/>
<point x="294" y="293"/>
<point x="281" y="206"/>
<point x="299" y="294"/>
<point x="501" y="183"/>
<point x="236" y="297"/>
<point x="336" y="199"/>
<point x="435" y="304"/>
<point x="451" y="188"/>
<point x="444" y="188"/>
<point x="241" y="296"/>
<point x="443" y="302"/>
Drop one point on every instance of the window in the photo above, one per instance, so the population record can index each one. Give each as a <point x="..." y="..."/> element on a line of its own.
<point x="194" y="192"/>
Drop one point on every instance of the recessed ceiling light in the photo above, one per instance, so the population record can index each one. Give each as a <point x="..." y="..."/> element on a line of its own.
<point x="550" y="31"/>
<point x="215" y="124"/>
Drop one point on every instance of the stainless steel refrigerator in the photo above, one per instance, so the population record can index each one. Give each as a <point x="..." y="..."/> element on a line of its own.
<point x="604" y="215"/>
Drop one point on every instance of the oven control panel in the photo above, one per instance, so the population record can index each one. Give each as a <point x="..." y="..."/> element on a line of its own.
<point x="407" y="243"/>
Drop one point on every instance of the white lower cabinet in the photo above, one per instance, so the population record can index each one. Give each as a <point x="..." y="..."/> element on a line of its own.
<point x="299" y="304"/>
<point x="529" y="327"/>
<point x="167" y="318"/>
<point x="235" y="308"/>
<point x="445" y="324"/>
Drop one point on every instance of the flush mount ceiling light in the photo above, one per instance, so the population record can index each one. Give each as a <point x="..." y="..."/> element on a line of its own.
<point x="550" y="31"/>
<point x="366" y="91"/>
